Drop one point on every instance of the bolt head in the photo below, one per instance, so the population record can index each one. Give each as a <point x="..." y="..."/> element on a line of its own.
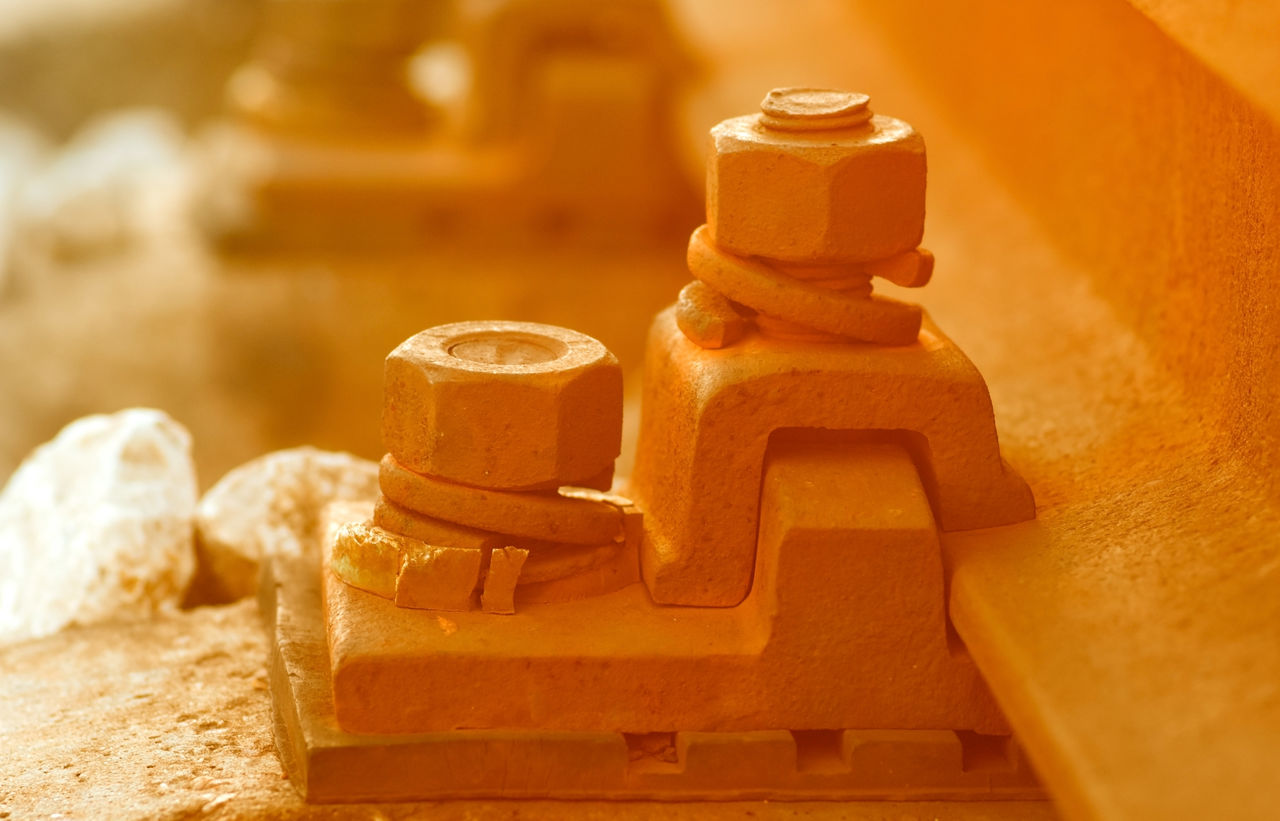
<point x="816" y="179"/>
<point x="504" y="405"/>
<point x="814" y="109"/>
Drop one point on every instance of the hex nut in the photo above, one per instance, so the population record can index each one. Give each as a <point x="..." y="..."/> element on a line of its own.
<point x="504" y="405"/>
<point x="824" y="189"/>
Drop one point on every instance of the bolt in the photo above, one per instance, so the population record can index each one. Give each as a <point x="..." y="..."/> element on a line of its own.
<point x="503" y="405"/>
<point x="335" y="67"/>
<point x="494" y="430"/>
<point x="814" y="109"/>
<point x="822" y="191"/>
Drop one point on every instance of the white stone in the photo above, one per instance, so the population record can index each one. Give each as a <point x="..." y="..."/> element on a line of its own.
<point x="101" y="192"/>
<point x="97" y="525"/>
<point x="271" y="506"/>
